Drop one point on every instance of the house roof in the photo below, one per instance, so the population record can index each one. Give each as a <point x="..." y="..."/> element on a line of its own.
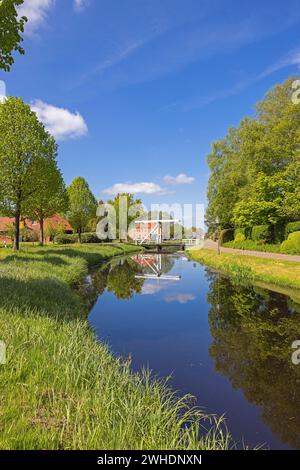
<point x="54" y="221"/>
<point x="4" y="222"/>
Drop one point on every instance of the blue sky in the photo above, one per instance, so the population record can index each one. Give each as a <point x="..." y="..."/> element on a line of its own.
<point x="137" y="90"/>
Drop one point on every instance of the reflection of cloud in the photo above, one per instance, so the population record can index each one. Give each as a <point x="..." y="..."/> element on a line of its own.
<point x="181" y="298"/>
<point x="149" y="288"/>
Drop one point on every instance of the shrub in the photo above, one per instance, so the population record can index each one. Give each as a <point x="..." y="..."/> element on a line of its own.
<point x="65" y="239"/>
<point x="262" y="233"/>
<point x="291" y="227"/>
<point x="246" y="231"/>
<point x="292" y="244"/>
<point x="239" y="237"/>
<point x="90" y="237"/>
<point x="226" y="235"/>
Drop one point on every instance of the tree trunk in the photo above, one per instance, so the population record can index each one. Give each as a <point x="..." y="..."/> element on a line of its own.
<point x="79" y="235"/>
<point x="17" y="230"/>
<point x="42" y="231"/>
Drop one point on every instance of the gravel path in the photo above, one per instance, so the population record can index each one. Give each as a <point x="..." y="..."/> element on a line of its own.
<point x="211" y="245"/>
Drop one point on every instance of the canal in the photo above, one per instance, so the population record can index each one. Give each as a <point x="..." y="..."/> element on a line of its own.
<point x="228" y="345"/>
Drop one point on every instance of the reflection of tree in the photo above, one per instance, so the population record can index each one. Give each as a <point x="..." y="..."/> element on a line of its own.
<point x="93" y="286"/>
<point x="252" y="333"/>
<point x="167" y="263"/>
<point x="121" y="280"/>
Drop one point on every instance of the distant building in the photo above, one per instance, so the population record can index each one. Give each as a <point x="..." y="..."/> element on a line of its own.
<point x="143" y="231"/>
<point x="33" y="227"/>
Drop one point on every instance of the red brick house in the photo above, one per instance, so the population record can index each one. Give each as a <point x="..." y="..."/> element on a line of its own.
<point x="33" y="227"/>
<point x="143" y="231"/>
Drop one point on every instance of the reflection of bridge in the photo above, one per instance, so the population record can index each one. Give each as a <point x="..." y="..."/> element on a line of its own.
<point x="153" y="262"/>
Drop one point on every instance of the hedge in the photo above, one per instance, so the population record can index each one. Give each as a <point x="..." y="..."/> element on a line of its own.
<point x="90" y="237"/>
<point x="292" y="227"/>
<point x="262" y="233"/>
<point x="292" y="244"/>
<point x="66" y="239"/>
<point x="246" y="231"/>
<point x="227" y="235"/>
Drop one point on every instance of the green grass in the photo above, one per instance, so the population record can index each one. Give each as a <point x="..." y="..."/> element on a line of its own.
<point x="250" y="268"/>
<point x="253" y="246"/>
<point x="60" y="388"/>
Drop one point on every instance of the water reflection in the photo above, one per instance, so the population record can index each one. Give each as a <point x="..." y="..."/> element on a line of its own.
<point x="252" y="332"/>
<point x="229" y="345"/>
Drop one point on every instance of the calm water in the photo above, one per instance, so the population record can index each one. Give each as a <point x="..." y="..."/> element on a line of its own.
<point x="229" y="346"/>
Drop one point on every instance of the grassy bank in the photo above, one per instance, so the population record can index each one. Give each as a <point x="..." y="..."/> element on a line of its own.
<point x="60" y="388"/>
<point x="253" y="246"/>
<point x="242" y="267"/>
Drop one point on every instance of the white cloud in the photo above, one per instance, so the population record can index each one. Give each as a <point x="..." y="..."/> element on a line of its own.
<point x="36" y="11"/>
<point x="136" y="188"/>
<point x="60" y="122"/>
<point x="81" y="4"/>
<point x="182" y="178"/>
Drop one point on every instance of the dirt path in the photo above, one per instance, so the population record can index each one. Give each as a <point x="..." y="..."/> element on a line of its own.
<point x="211" y="245"/>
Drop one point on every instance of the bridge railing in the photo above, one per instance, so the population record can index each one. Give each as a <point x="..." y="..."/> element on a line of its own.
<point x="191" y="241"/>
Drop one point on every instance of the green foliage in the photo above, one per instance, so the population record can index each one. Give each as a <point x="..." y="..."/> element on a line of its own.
<point x="262" y="233"/>
<point x="82" y="205"/>
<point x="11" y="28"/>
<point x="27" y="152"/>
<point x="51" y="196"/>
<point x="292" y="244"/>
<point x="66" y="239"/>
<point x="89" y="237"/>
<point x="246" y="231"/>
<point x="255" y="171"/>
<point x="132" y="209"/>
<point x="292" y="227"/>
<point x="28" y="235"/>
<point x="226" y="235"/>
<point x="239" y="237"/>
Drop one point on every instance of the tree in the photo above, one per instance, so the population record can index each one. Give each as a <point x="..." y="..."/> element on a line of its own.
<point x="25" y="149"/>
<point x="51" y="196"/>
<point x="82" y="205"/>
<point x="126" y="207"/>
<point x="255" y="170"/>
<point x="11" y="27"/>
